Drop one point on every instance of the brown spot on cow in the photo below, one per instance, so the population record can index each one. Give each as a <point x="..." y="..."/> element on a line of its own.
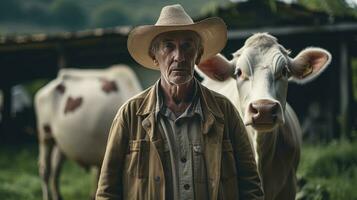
<point x="72" y="104"/>
<point x="47" y="129"/>
<point x="61" y="88"/>
<point x="109" y="86"/>
<point x="47" y="136"/>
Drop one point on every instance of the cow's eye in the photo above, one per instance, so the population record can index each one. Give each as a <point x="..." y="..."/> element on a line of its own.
<point x="240" y="74"/>
<point x="285" y="72"/>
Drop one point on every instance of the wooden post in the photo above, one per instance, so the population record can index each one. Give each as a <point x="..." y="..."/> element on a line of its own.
<point x="6" y="112"/>
<point x="345" y="90"/>
<point x="62" y="61"/>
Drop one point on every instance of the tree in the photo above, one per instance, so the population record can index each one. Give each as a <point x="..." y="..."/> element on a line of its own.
<point x="110" y="14"/>
<point x="68" y="13"/>
<point x="10" y="11"/>
<point x="332" y="7"/>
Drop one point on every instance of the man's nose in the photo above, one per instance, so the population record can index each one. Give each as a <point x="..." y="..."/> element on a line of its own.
<point x="179" y="55"/>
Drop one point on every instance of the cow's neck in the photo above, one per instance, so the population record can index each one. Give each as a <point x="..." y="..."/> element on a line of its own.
<point x="264" y="146"/>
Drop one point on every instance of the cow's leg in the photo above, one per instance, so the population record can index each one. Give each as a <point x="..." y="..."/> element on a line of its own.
<point x="56" y="166"/>
<point x="44" y="166"/>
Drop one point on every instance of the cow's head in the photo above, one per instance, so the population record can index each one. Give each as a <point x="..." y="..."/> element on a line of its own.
<point x="262" y="69"/>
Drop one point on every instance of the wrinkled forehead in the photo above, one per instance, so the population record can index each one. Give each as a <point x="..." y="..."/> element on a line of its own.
<point x="174" y="35"/>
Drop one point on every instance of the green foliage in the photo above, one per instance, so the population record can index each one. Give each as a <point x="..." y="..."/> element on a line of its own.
<point x="337" y="159"/>
<point x="329" y="172"/>
<point x="333" y="7"/>
<point x="75" y="15"/>
<point x="33" y="86"/>
<point x="209" y="7"/>
<point x="9" y="10"/>
<point x="68" y="13"/>
<point x="313" y="192"/>
<point x="110" y="14"/>
<point x="80" y="14"/>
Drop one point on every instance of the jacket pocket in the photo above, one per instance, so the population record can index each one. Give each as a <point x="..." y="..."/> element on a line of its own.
<point x="199" y="164"/>
<point x="228" y="162"/>
<point x="137" y="159"/>
<point x="228" y="188"/>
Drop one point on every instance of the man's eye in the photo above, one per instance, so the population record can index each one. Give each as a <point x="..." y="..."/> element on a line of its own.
<point x="169" y="45"/>
<point x="186" y="45"/>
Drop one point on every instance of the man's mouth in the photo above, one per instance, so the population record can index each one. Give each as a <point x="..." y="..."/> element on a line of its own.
<point x="179" y="70"/>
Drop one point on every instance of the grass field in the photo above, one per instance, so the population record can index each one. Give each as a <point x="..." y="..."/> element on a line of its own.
<point x="328" y="172"/>
<point x="19" y="178"/>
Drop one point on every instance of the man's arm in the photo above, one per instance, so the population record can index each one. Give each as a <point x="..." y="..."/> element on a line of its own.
<point x="250" y="186"/>
<point x="110" y="181"/>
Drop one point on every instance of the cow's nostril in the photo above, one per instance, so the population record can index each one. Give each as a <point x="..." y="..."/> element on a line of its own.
<point x="274" y="109"/>
<point x="264" y="112"/>
<point x="253" y="109"/>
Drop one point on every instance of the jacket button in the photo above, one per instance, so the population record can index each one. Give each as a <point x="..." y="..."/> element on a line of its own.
<point x="157" y="178"/>
<point x="186" y="186"/>
<point x="183" y="159"/>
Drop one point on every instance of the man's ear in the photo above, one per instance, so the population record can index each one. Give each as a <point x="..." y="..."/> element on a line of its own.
<point x="308" y="64"/>
<point x="155" y="62"/>
<point x="199" y="55"/>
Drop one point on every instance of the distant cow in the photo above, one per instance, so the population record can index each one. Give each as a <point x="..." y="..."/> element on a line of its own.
<point x="74" y="114"/>
<point x="261" y="70"/>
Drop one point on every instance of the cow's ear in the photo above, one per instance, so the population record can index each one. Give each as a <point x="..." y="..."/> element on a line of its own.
<point x="217" y="67"/>
<point x="308" y="64"/>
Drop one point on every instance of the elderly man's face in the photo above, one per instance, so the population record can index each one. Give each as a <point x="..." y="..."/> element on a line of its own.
<point x="176" y="54"/>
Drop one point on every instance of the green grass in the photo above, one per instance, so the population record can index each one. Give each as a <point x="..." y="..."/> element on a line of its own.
<point x="328" y="172"/>
<point x="19" y="178"/>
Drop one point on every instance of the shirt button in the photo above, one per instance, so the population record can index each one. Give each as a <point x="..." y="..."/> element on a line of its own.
<point x="157" y="178"/>
<point x="183" y="160"/>
<point x="186" y="186"/>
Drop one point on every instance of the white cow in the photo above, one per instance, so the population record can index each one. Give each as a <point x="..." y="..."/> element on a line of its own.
<point x="74" y="114"/>
<point x="261" y="70"/>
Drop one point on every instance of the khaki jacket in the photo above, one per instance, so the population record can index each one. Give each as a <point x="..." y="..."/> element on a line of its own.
<point x="132" y="167"/>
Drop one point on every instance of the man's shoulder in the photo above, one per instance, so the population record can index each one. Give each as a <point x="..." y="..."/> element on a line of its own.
<point x="140" y="96"/>
<point x="134" y="102"/>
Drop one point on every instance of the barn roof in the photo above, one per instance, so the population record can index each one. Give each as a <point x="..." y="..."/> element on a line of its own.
<point x="13" y="42"/>
<point x="256" y="13"/>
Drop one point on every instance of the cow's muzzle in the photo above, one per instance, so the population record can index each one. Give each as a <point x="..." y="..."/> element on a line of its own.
<point x="263" y="114"/>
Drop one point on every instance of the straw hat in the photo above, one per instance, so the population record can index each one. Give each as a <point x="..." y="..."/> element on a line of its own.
<point x="213" y="32"/>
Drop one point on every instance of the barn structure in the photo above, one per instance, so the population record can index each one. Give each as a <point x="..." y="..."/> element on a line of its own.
<point x="327" y="102"/>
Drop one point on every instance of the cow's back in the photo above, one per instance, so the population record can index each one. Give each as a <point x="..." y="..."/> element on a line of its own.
<point x="79" y="107"/>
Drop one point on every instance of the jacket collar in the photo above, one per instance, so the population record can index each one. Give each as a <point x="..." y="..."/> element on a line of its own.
<point x="148" y="104"/>
<point x="210" y="107"/>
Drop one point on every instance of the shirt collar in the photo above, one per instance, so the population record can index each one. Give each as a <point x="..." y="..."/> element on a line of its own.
<point x="192" y="109"/>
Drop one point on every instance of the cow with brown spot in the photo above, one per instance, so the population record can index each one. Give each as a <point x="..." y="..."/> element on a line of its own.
<point x="74" y="114"/>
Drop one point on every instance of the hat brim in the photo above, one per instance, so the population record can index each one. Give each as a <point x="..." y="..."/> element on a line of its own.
<point x="213" y="32"/>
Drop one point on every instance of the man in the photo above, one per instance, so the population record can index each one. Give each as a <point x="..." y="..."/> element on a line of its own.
<point x="177" y="139"/>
